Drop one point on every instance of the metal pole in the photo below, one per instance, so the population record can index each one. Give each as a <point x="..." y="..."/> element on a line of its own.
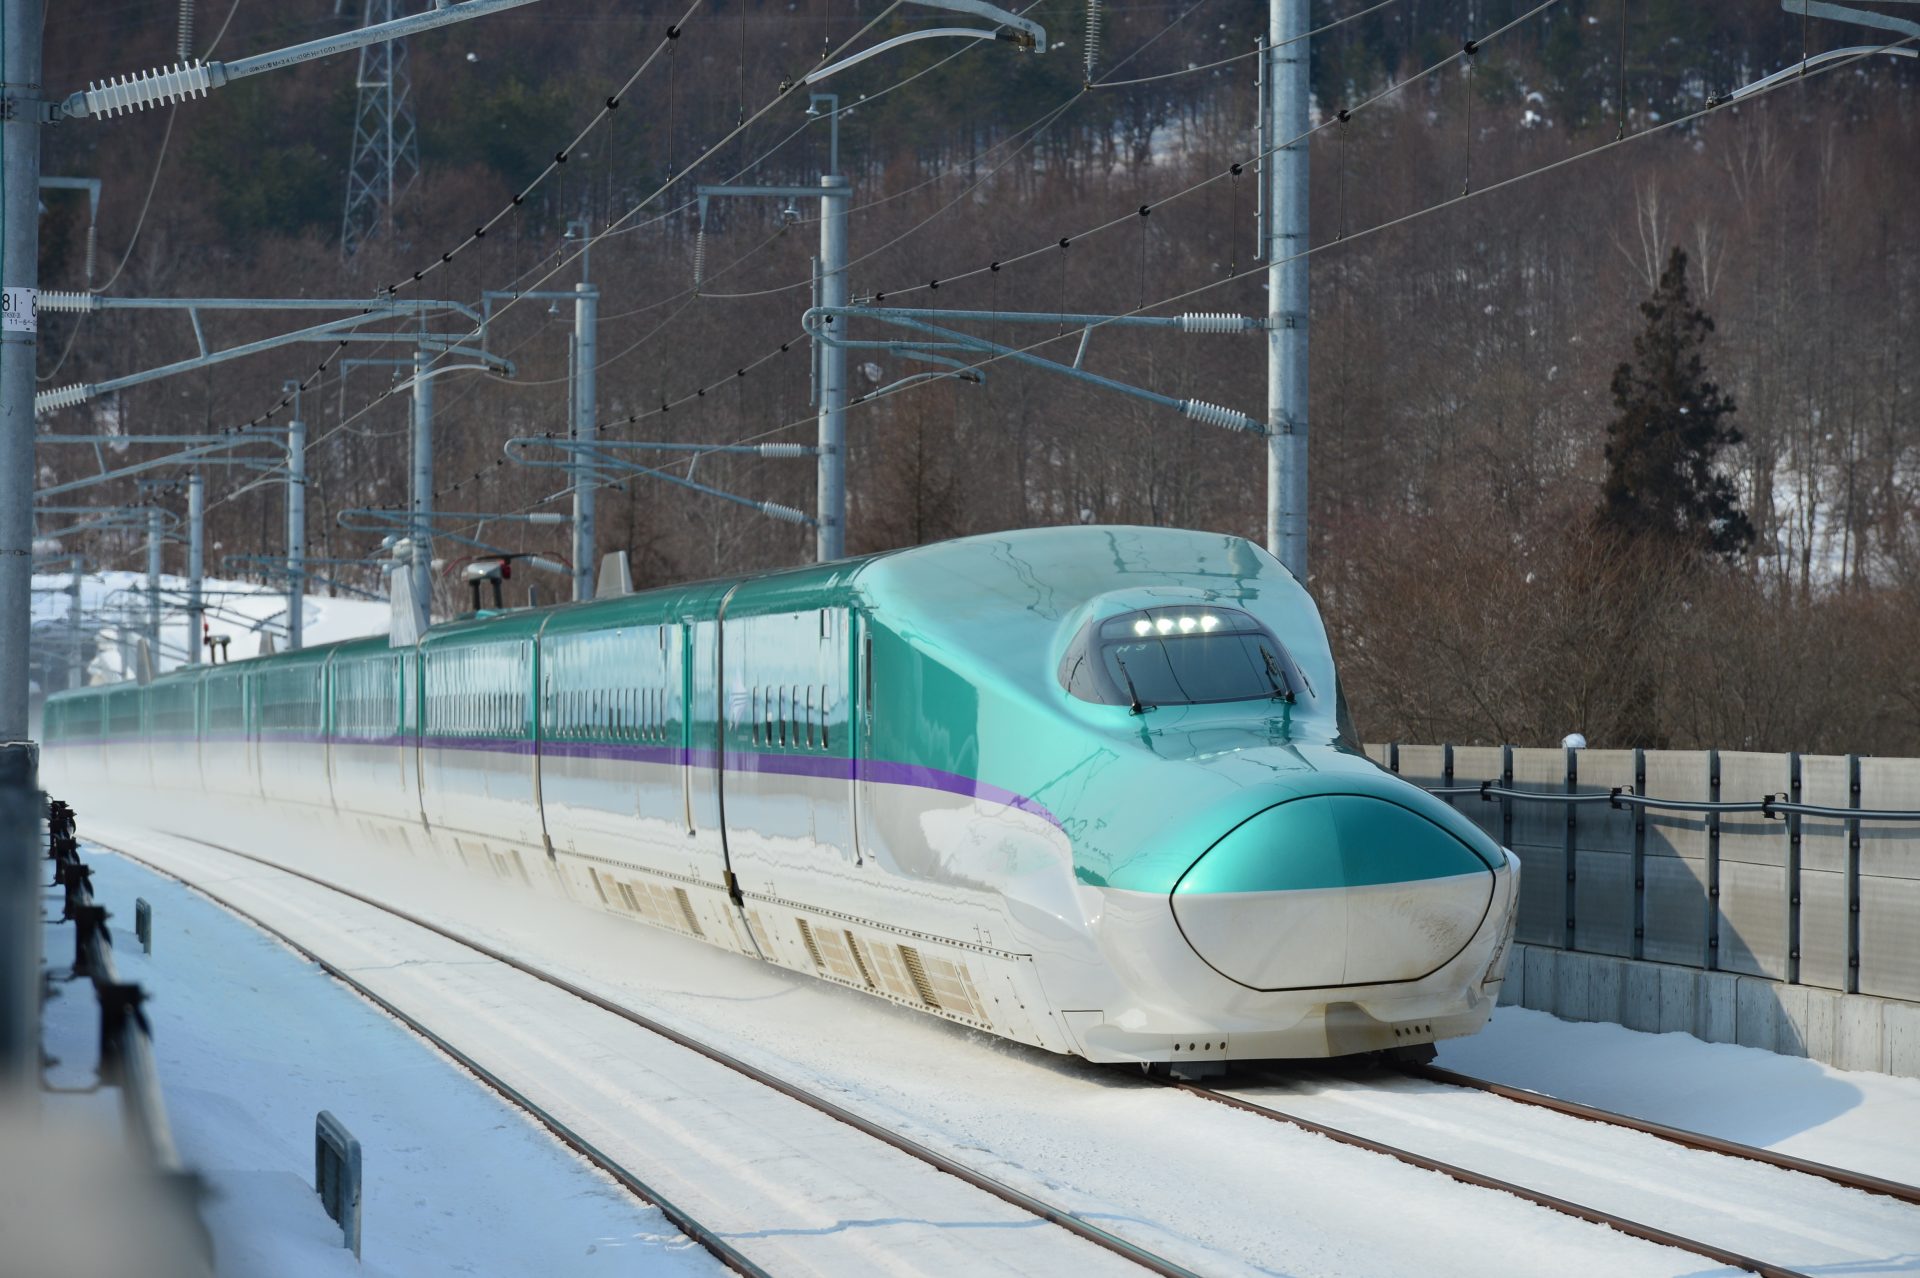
<point x="20" y="24"/>
<point x="586" y="325"/>
<point x="831" y="538"/>
<point x="20" y="274"/>
<point x="296" y="523"/>
<point x="1286" y="172"/>
<point x="19" y="893"/>
<point x="196" y="562"/>
<point x="76" y="675"/>
<point x="420" y="534"/>
<point x="154" y="533"/>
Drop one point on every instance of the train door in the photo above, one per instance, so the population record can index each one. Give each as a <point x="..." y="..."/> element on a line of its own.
<point x="683" y="729"/>
<point x="540" y="713"/>
<point x="251" y="738"/>
<point x="860" y="733"/>
<point x="704" y="749"/>
<point x="413" y="715"/>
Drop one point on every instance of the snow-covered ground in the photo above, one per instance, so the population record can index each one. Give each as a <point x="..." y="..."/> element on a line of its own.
<point x="1862" y="1121"/>
<point x="1220" y="1190"/>
<point x="253" y="1041"/>
<point x="114" y="604"/>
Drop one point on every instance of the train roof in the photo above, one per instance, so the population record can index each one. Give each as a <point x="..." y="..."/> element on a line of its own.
<point x="971" y="593"/>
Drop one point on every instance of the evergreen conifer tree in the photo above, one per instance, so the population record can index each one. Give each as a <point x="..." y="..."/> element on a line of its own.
<point x="1662" y="484"/>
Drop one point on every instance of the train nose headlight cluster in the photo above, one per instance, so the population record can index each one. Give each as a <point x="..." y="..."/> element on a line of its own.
<point x="1185" y="625"/>
<point x="1331" y="890"/>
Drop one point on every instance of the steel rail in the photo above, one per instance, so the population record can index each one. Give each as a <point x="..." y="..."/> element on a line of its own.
<point x="719" y="1247"/>
<point x="1677" y="1135"/>
<point x="1632" y="1228"/>
<point x="953" y="1167"/>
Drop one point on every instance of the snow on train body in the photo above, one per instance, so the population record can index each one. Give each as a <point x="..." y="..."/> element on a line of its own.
<point x="1085" y="788"/>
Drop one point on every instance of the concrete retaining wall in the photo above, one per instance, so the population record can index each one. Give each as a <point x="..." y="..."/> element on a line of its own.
<point x="1848" y="1031"/>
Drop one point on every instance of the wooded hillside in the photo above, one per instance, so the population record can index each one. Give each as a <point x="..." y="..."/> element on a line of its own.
<point x="1470" y="305"/>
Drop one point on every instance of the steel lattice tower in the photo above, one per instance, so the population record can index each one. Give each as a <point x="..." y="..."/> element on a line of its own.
<point x="386" y="146"/>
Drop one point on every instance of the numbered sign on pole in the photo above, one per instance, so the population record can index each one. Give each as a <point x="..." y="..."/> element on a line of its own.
<point x="20" y="310"/>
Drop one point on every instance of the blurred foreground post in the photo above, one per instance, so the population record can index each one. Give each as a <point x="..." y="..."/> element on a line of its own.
<point x="20" y="855"/>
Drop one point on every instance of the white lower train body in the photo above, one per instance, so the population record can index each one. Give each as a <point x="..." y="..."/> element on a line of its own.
<point x="945" y="901"/>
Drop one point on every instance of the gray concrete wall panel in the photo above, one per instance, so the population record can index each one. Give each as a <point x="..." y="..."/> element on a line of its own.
<point x="1603" y="859"/>
<point x="1542" y="914"/>
<point x="1823" y="783"/>
<point x="1823" y="928"/>
<point x="1850" y="1031"/>
<point x="1676" y="910"/>
<point x="1422" y="764"/>
<point x="1890" y="936"/>
<point x="1539" y="839"/>
<point x="1679" y="999"/>
<point x="1640" y="997"/>
<point x="1539" y="824"/>
<point x="1753" y="919"/>
<point x="1676" y="894"/>
<point x="1890" y="881"/>
<point x="1900" y="1034"/>
<point x="1719" y="1007"/>
<point x="1753" y="868"/>
<point x="1472" y="765"/>
<point x="1603" y="902"/>
<point x="1599" y="827"/>
<point x="1889" y="849"/>
<point x="1678" y="774"/>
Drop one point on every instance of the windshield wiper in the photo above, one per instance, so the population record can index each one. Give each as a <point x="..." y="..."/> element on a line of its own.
<point x="1133" y="707"/>
<point x="1281" y="692"/>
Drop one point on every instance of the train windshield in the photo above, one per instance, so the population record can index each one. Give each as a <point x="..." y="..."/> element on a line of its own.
<point x="1177" y="657"/>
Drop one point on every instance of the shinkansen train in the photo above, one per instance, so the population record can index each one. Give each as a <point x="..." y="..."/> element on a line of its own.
<point x="1091" y="789"/>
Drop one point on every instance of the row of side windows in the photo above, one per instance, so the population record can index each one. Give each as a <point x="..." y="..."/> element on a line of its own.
<point x="290" y="700"/>
<point x="622" y="685"/>
<point x="365" y="702"/>
<point x="478" y="691"/>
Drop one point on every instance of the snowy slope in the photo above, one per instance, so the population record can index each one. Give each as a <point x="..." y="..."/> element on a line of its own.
<point x="114" y="604"/>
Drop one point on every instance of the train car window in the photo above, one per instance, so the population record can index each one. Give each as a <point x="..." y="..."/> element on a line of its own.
<point x="1179" y="656"/>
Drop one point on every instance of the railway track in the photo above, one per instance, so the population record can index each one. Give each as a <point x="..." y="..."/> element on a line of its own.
<point x="1676" y="1135"/>
<point x="707" y="1237"/>
<point x="1564" y="1202"/>
<point x="1465" y="1175"/>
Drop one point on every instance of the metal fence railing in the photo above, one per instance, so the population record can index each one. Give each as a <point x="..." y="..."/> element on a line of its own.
<point x="1668" y="856"/>
<point x="126" y="1059"/>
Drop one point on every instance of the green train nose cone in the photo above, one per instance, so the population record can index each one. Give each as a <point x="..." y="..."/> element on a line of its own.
<point x="1333" y="890"/>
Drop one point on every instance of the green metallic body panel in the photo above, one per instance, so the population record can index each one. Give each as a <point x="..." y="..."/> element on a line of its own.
<point x="1330" y="841"/>
<point x="946" y="673"/>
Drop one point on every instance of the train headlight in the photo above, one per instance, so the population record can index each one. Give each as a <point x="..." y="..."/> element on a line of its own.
<point x="1143" y="627"/>
<point x="1164" y="625"/>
